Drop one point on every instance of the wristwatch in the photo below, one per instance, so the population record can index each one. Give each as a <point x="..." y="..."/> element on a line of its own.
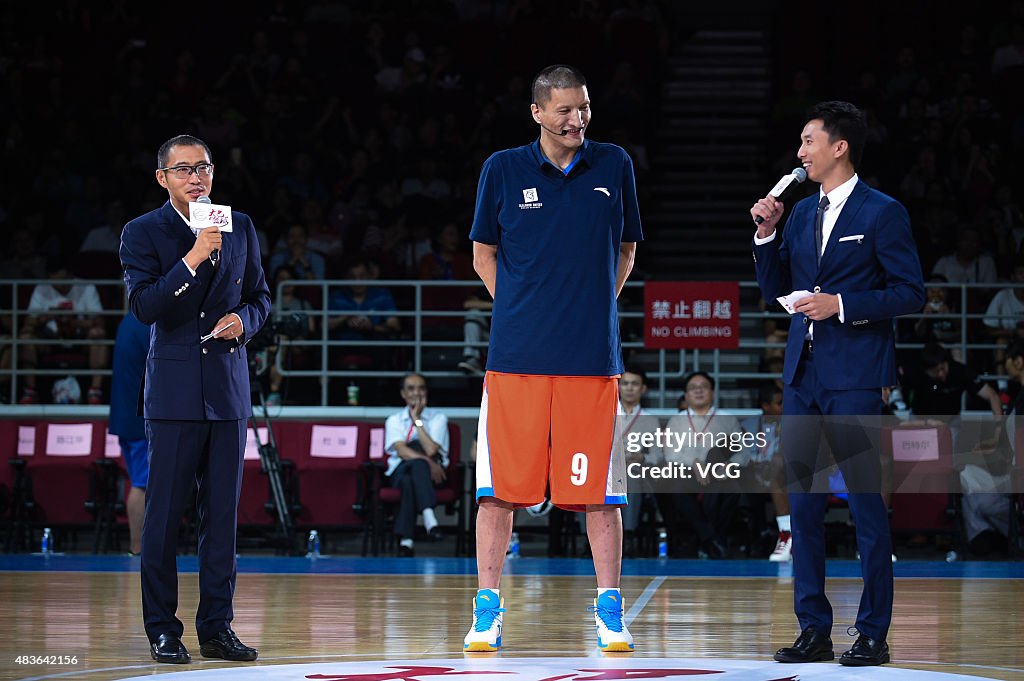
<point x="418" y="423"/>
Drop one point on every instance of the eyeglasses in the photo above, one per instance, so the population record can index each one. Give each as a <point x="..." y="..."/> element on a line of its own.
<point x="184" y="172"/>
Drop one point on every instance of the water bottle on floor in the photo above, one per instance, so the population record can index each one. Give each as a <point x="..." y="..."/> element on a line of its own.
<point x="46" y="546"/>
<point x="313" y="544"/>
<point x="513" y="546"/>
<point x="662" y="543"/>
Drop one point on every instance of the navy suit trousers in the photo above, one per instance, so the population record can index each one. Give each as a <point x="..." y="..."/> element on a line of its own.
<point x="805" y="399"/>
<point x="206" y="455"/>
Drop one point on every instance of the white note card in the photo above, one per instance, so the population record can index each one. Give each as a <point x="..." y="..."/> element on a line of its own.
<point x="792" y="299"/>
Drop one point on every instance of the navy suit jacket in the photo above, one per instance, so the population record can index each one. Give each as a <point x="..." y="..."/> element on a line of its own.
<point x="877" y="271"/>
<point x="186" y="380"/>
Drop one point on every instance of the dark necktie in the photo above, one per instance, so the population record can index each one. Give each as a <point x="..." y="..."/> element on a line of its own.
<point x="819" y="220"/>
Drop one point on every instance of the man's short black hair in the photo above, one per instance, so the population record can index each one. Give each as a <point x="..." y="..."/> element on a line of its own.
<point x="410" y="375"/>
<point x="555" y="77"/>
<point x="932" y="355"/>
<point x="639" y="372"/>
<point x="842" y="121"/>
<point x="179" y="141"/>
<point x="694" y="374"/>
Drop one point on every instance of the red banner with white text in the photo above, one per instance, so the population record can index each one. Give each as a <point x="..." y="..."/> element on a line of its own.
<point x="686" y="315"/>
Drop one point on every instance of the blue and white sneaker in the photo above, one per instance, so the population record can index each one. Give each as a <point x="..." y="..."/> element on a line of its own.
<point x="485" y="634"/>
<point x="612" y="634"/>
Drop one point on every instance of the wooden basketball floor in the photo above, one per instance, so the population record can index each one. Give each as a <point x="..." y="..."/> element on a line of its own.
<point x="968" y="625"/>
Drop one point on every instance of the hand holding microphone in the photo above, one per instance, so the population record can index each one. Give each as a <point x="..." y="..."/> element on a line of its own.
<point x="767" y="211"/>
<point x="215" y="253"/>
<point x="207" y="243"/>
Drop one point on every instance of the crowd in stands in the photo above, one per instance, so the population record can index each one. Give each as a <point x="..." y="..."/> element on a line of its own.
<point x="353" y="133"/>
<point x="943" y="96"/>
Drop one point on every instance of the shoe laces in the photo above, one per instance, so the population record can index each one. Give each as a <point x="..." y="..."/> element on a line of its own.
<point x="485" y="617"/>
<point x="610" y="616"/>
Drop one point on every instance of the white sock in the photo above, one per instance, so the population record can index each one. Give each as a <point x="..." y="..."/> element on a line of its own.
<point x="783" y="522"/>
<point x="601" y="590"/>
<point x="406" y="542"/>
<point x="429" y="520"/>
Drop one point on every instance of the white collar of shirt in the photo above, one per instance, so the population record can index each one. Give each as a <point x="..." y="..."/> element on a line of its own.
<point x="186" y="220"/>
<point x="836" y="200"/>
<point x="194" y="233"/>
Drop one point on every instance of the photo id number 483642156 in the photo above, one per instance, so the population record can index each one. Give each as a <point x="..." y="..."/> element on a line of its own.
<point x="46" y="659"/>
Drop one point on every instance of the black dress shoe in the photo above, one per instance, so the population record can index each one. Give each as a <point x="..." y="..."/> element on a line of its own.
<point x="435" y="534"/>
<point x="866" y="652"/>
<point x="810" y="646"/>
<point x="226" y="646"/>
<point x="405" y="551"/>
<point x="168" y="648"/>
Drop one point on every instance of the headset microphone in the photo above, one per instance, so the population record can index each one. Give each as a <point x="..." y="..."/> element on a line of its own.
<point x="561" y="133"/>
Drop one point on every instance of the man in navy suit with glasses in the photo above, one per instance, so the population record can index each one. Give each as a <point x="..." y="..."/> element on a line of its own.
<point x="203" y="294"/>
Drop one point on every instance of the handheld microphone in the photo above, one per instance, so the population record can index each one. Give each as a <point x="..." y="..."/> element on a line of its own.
<point x="215" y="253"/>
<point x="785" y="183"/>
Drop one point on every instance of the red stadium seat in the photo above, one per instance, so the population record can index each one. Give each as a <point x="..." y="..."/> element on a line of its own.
<point x="924" y="482"/>
<point x="329" y="462"/>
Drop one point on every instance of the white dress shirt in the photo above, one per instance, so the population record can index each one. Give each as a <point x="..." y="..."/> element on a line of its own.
<point x="836" y="200"/>
<point x="399" y="428"/>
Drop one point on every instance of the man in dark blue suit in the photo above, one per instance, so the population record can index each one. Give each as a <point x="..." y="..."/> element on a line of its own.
<point x="187" y="284"/>
<point x="850" y="247"/>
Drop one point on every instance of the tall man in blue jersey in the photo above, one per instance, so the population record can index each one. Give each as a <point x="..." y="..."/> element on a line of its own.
<point x="850" y="249"/>
<point x="554" y="235"/>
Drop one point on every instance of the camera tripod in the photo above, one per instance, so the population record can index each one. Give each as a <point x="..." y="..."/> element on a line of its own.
<point x="270" y="464"/>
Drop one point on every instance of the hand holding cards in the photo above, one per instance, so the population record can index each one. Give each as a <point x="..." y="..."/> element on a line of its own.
<point x="789" y="302"/>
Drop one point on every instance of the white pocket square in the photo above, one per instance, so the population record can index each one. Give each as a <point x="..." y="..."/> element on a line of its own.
<point x="853" y="237"/>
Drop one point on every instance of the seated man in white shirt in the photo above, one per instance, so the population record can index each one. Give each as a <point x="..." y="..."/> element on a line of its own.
<point x="417" y="447"/>
<point x="700" y="426"/>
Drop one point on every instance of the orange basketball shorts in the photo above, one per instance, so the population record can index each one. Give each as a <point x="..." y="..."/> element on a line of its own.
<point x="557" y="435"/>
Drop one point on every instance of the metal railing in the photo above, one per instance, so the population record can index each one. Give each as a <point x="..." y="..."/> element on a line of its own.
<point x="425" y="336"/>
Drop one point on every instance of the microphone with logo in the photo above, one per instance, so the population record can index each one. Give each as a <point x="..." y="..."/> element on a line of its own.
<point x="215" y="253"/>
<point x="785" y="183"/>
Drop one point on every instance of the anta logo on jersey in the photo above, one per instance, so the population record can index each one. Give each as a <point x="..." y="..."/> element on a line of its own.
<point x="531" y="200"/>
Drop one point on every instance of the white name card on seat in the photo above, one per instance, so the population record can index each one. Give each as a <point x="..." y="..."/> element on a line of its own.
<point x="111" y="446"/>
<point x="334" y="442"/>
<point x="252" y="452"/>
<point x="915" y="444"/>
<point x="377" y="443"/>
<point x="26" y="440"/>
<point x="69" y="439"/>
